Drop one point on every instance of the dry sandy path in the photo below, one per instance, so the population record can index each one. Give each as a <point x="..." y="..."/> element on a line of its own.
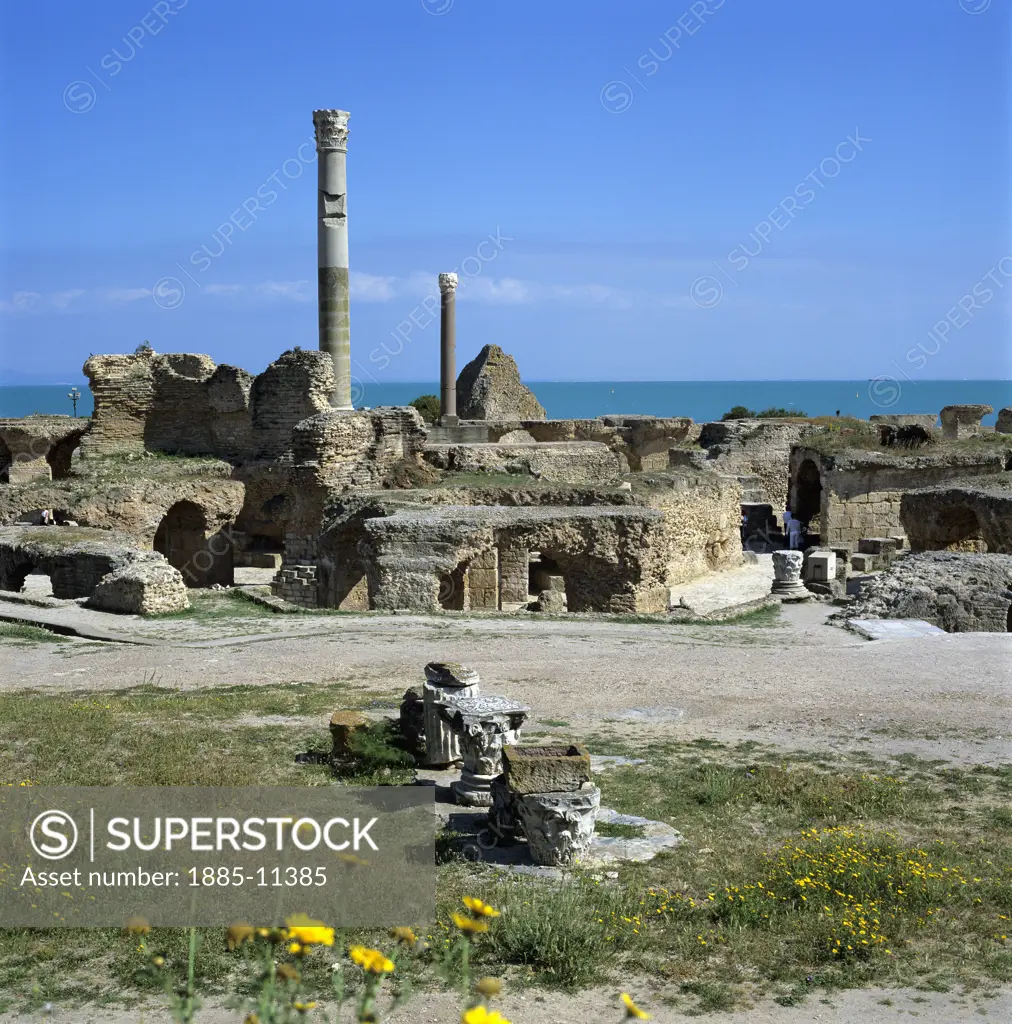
<point x="865" y="1006"/>
<point x="801" y="684"/>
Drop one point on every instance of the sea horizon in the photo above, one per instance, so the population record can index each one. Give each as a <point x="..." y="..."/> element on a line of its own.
<point x="702" y="400"/>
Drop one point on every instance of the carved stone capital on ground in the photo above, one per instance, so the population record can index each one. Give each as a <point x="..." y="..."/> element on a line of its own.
<point x="559" y="826"/>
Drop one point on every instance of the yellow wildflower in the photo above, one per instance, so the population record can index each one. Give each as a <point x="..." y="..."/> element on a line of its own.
<point x="136" y="926"/>
<point x="466" y="924"/>
<point x="304" y="1007"/>
<point x="307" y="931"/>
<point x="631" y="1009"/>
<point x="481" y="1015"/>
<point x="479" y="908"/>
<point x="371" y="960"/>
<point x="404" y="935"/>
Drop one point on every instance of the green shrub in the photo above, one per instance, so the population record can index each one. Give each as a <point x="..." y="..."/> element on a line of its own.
<point x="774" y="413"/>
<point x="739" y="412"/>
<point x="428" y="406"/>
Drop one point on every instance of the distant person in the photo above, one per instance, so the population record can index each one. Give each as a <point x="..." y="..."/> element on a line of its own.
<point x="837" y="412"/>
<point x="794" y="534"/>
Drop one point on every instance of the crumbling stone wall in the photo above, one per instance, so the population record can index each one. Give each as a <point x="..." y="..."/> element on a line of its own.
<point x="38" y="447"/>
<point x="489" y="388"/>
<point x="612" y="558"/>
<point x="861" y="491"/>
<point x="74" y="559"/>
<point x="702" y="516"/>
<point x="182" y="403"/>
<point x="960" y="593"/>
<point x="637" y="442"/>
<point x="760" y="449"/>
<point x="294" y="387"/>
<point x="968" y="515"/>
<point x="576" y="462"/>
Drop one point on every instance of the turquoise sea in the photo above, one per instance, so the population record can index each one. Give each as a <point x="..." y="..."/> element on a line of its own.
<point x="702" y="400"/>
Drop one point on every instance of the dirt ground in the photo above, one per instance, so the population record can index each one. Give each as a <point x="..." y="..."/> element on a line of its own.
<point x="800" y="684"/>
<point x="859" y="1006"/>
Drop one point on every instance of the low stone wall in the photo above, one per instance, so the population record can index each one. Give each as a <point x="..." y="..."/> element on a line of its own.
<point x="82" y="563"/>
<point x="638" y="442"/>
<point x="612" y="559"/>
<point x="38" y="448"/>
<point x="858" y="493"/>
<point x="969" y="515"/>
<point x="576" y="462"/>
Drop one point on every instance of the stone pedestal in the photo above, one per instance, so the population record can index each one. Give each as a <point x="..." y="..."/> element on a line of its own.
<point x="559" y="826"/>
<point x="343" y="727"/>
<point x="484" y="725"/>
<point x="444" y="683"/>
<point x="502" y="818"/>
<point x="787" y="583"/>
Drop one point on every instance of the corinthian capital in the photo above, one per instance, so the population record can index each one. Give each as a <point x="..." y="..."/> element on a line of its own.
<point x="447" y="282"/>
<point x="331" y="129"/>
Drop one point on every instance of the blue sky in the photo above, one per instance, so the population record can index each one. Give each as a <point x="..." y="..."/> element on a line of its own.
<point x="719" y="189"/>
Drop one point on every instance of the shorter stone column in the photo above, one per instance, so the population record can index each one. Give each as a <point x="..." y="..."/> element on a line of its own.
<point x="484" y="725"/>
<point x="787" y="583"/>
<point x="444" y="683"/>
<point x="448" y="349"/>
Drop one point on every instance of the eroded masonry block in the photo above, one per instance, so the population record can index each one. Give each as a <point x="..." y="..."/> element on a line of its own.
<point x="558" y="769"/>
<point x="484" y="725"/>
<point x="343" y="726"/>
<point x="865" y="563"/>
<point x="885" y="547"/>
<point x="821" y="566"/>
<point x="444" y="682"/>
<point x="959" y="421"/>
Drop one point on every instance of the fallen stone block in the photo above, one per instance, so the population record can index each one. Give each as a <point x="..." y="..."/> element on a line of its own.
<point x="141" y="588"/>
<point x="961" y="421"/>
<point x="558" y="769"/>
<point x="864" y="563"/>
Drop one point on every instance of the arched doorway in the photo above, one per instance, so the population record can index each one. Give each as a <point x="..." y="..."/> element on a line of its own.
<point x="808" y="492"/>
<point x="182" y="537"/>
<point x="453" y="589"/>
<point x="61" y="454"/>
<point x="546" y="584"/>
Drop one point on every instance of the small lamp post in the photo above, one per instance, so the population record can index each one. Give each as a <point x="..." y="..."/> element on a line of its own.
<point x="74" y="395"/>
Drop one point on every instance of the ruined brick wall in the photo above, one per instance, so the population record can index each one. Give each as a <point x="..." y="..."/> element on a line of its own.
<point x="37" y="448"/>
<point x="180" y="403"/>
<point x="757" y="448"/>
<point x="862" y="492"/>
<point x="294" y="387"/>
<point x="183" y="404"/>
<point x="702" y="516"/>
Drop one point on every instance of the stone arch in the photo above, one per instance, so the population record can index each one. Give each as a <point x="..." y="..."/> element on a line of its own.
<point x="15" y="567"/>
<point x="202" y="556"/>
<point x="959" y="529"/>
<point x="808" y="492"/>
<point x="60" y="455"/>
<point x="6" y="461"/>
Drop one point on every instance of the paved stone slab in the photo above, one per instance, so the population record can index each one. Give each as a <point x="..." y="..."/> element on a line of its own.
<point x="602" y="762"/>
<point x="655" y="714"/>
<point x="723" y="593"/>
<point x="895" y="629"/>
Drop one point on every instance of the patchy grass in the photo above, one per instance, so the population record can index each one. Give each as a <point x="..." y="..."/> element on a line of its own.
<point x="21" y="634"/>
<point x="801" y="874"/>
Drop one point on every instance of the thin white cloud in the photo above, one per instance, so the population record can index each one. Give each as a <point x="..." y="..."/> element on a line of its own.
<point x="72" y="300"/>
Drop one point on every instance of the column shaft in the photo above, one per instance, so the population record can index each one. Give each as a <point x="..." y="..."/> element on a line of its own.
<point x="448" y="348"/>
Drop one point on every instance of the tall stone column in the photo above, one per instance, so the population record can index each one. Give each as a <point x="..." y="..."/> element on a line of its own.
<point x="332" y="248"/>
<point x="448" y="349"/>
